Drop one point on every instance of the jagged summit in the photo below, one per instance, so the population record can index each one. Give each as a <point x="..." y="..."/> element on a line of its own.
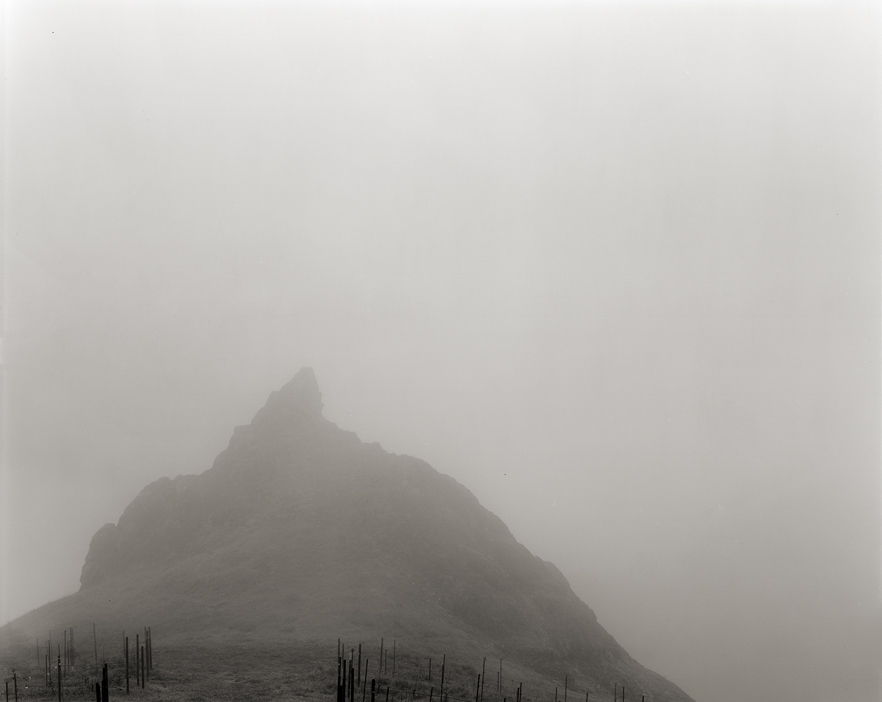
<point x="301" y="529"/>
<point x="300" y="395"/>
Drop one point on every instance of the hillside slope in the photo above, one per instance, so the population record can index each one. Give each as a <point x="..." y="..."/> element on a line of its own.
<point x="301" y="530"/>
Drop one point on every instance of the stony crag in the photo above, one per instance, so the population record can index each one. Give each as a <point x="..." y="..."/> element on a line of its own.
<point x="302" y="530"/>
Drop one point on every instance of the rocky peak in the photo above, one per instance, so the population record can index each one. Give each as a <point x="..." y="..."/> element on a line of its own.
<point x="299" y="396"/>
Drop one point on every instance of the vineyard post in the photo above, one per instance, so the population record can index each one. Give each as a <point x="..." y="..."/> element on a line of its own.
<point x="95" y="641"/>
<point x="59" y="674"/>
<point x="555" y="693"/>
<point x="483" y="675"/>
<point x="566" y="680"/>
<point x="73" y="649"/>
<point x="364" y="683"/>
<point x="98" y="697"/>
<point x="105" y="687"/>
<point x="393" y="658"/>
<point x="430" y="670"/>
<point x="478" y="689"/>
<point x="431" y="693"/>
<point x="127" y="665"/>
<point x="15" y="684"/>
<point x="7" y="690"/>
<point x="443" y="666"/>
<point x="358" y="672"/>
<point x="343" y="675"/>
<point x="373" y="690"/>
<point x="623" y="693"/>
<point x="381" y="657"/>
<point x="143" y="676"/>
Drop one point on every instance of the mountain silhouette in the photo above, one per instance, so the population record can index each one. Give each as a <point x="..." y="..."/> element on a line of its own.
<point x="301" y="530"/>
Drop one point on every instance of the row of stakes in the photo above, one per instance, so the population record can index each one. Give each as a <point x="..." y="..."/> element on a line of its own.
<point x="67" y="658"/>
<point x="349" y="676"/>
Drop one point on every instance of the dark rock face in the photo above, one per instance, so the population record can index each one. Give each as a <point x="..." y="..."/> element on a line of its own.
<point x="300" y="526"/>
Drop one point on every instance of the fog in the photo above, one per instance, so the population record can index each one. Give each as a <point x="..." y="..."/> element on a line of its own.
<point x="615" y="268"/>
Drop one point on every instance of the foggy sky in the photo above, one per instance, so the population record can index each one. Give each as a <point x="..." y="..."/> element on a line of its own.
<point x="615" y="268"/>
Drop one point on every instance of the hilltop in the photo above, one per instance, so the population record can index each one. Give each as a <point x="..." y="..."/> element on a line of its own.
<point x="301" y="532"/>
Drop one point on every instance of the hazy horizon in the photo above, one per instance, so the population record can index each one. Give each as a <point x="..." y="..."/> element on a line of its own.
<point x="615" y="268"/>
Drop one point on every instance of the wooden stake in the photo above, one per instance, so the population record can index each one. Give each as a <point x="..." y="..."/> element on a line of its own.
<point x="358" y="672"/>
<point x="137" y="660"/>
<point x="566" y="680"/>
<point x="373" y="690"/>
<point x="393" y="658"/>
<point x="478" y="689"/>
<point x="143" y="676"/>
<point x="364" y="685"/>
<point x="443" y="666"/>
<point x="483" y="674"/>
<point x="127" y="665"/>
<point x="59" y="674"/>
<point x="381" y="656"/>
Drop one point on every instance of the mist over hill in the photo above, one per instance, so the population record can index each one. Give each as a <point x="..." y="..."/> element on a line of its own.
<point x="301" y="531"/>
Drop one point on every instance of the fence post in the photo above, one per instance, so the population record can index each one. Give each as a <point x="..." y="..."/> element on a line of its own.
<point x="373" y="690"/>
<point x="483" y="675"/>
<point x="478" y="689"/>
<point x="127" y="665"/>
